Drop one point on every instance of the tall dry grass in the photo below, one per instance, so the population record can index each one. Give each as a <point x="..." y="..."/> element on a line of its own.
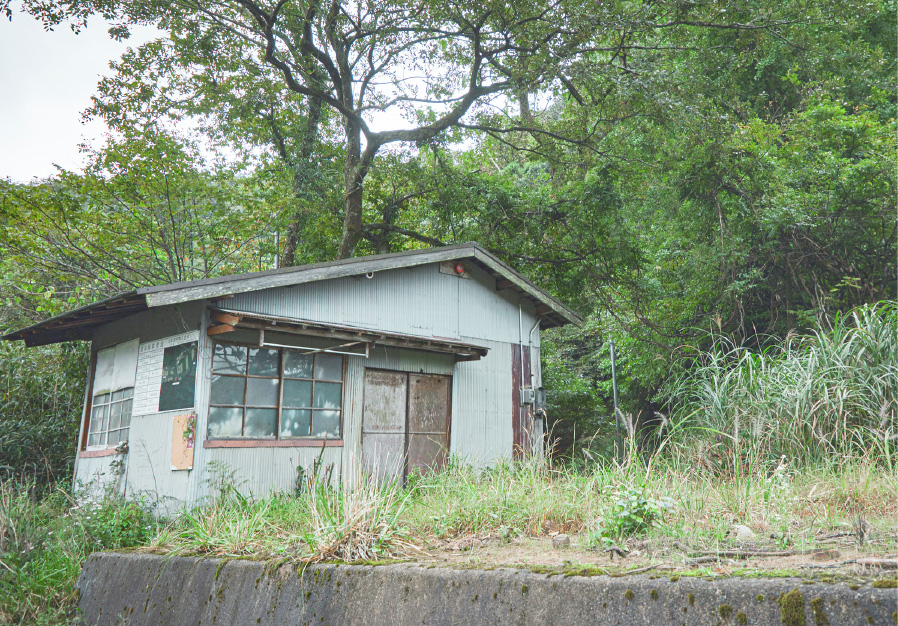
<point x="359" y="521"/>
<point x="812" y="398"/>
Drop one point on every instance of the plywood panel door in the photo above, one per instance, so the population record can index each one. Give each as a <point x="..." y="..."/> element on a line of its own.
<point x="383" y="423"/>
<point x="405" y="422"/>
<point x="429" y="410"/>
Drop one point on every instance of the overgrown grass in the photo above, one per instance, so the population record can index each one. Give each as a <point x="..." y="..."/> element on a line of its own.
<point x="792" y="503"/>
<point x="810" y="398"/>
<point x="361" y="522"/>
<point x="44" y="539"/>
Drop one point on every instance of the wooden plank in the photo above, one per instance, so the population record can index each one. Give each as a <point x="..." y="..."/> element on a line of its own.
<point x="542" y="309"/>
<point x="225" y="318"/>
<point x="183" y="439"/>
<point x="503" y="283"/>
<point x="521" y="419"/>
<point x="220" y="329"/>
<point x="429" y="411"/>
<point x="384" y="423"/>
<point x="470" y="352"/>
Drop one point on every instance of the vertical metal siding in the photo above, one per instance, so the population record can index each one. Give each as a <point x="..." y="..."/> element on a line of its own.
<point x="196" y="485"/>
<point x="260" y="472"/>
<point x="418" y="301"/>
<point x="146" y="432"/>
<point x="487" y="314"/>
<point x="481" y="408"/>
<point x="94" y="474"/>
<point x="149" y="470"/>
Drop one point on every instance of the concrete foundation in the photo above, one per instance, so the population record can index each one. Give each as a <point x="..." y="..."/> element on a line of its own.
<point x="119" y="589"/>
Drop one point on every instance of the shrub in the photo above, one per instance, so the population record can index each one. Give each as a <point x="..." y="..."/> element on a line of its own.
<point x="631" y="511"/>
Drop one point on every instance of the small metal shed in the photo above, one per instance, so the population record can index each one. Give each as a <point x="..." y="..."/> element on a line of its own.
<point x="385" y="363"/>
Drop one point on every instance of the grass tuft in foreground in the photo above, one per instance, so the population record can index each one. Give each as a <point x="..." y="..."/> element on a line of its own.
<point x="362" y="522"/>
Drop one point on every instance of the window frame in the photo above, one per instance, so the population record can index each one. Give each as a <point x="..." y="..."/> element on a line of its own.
<point x="277" y="440"/>
<point x="192" y="379"/>
<point x="86" y="449"/>
<point x="126" y="399"/>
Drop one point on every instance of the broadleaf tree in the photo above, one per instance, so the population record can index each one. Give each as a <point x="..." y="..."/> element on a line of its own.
<point x="425" y="67"/>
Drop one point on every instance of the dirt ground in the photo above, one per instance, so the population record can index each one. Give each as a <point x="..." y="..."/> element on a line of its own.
<point x="837" y="555"/>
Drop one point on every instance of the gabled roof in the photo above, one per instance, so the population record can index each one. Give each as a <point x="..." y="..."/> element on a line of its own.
<point x="79" y="323"/>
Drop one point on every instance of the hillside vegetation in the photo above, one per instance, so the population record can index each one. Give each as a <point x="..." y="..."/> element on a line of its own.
<point x="711" y="185"/>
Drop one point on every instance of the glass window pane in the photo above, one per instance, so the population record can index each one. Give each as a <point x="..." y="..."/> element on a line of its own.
<point x="126" y="413"/>
<point x="227" y="390"/>
<point x="100" y="399"/>
<point x="115" y="415"/>
<point x="229" y="359"/>
<point x="104" y="424"/>
<point x="113" y="438"/>
<point x="262" y="391"/>
<point x="295" y="422"/>
<point x="178" y="377"/>
<point x="328" y="395"/>
<point x="124" y="436"/>
<point x="297" y="364"/>
<point x="225" y="422"/>
<point x="96" y="418"/>
<point x="116" y="396"/>
<point x="93" y="440"/>
<point x="260" y="422"/>
<point x="297" y="393"/>
<point x="128" y="393"/>
<point x="263" y="362"/>
<point x="328" y="367"/>
<point x="326" y="423"/>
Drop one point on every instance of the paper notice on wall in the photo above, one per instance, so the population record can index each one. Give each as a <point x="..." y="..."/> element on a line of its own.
<point x="182" y="441"/>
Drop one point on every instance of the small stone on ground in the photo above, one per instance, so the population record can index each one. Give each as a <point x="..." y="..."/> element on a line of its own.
<point x="561" y="541"/>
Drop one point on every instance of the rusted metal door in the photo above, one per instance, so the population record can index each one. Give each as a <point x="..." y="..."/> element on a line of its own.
<point x="383" y="423"/>
<point x="522" y="425"/>
<point x="405" y="422"/>
<point x="429" y="408"/>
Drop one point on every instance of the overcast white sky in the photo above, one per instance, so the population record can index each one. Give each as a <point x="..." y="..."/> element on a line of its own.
<point x="46" y="80"/>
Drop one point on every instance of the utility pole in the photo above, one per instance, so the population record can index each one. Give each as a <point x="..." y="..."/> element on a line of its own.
<point x="620" y="437"/>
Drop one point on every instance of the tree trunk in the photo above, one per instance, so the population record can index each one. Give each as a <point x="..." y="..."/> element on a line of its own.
<point x="303" y="179"/>
<point x="354" y="171"/>
<point x="352" y="221"/>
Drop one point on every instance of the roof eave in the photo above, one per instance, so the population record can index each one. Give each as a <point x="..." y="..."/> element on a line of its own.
<point x="77" y="324"/>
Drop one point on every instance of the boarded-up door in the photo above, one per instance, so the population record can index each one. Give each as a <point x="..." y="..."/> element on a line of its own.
<point x="405" y="422"/>
<point x="522" y="426"/>
<point x="383" y="423"/>
<point x="429" y="408"/>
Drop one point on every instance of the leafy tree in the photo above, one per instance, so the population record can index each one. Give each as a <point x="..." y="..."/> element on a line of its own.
<point x="439" y="65"/>
<point x="141" y="214"/>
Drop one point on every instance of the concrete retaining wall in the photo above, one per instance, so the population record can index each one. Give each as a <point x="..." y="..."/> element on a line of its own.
<point x="151" y="590"/>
